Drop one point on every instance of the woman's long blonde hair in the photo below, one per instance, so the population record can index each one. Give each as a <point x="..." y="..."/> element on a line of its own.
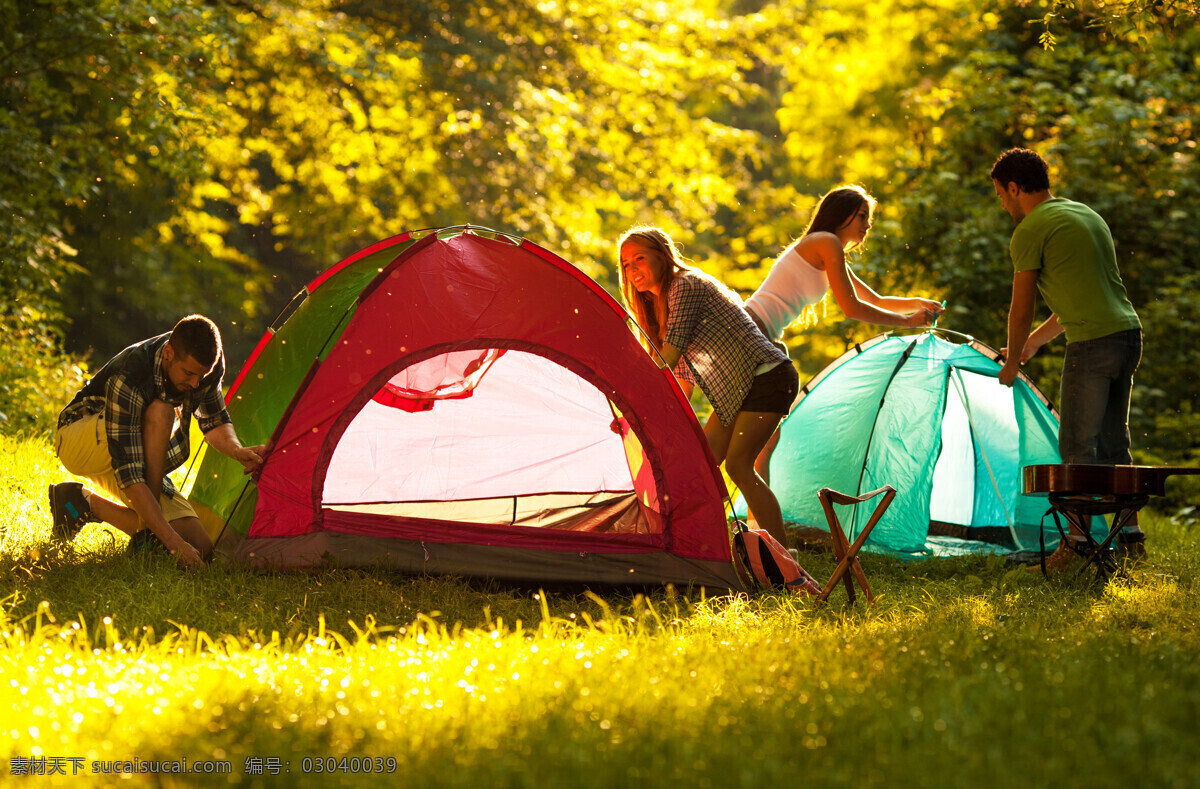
<point x="649" y="311"/>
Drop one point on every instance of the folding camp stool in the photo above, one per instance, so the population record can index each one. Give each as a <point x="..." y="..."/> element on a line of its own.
<point x="847" y="554"/>
<point x="1079" y="511"/>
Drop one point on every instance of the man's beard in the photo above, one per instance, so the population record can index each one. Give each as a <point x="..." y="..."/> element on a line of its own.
<point x="173" y="391"/>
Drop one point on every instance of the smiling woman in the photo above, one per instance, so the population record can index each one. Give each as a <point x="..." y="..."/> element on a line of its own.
<point x="701" y="331"/>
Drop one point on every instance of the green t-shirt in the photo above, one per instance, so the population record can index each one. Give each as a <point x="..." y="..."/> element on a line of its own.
<point x="1070" y="246"/>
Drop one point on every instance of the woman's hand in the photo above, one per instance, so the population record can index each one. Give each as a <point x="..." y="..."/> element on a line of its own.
<point x="921" y="318"/>
<point x="936" y="307"/>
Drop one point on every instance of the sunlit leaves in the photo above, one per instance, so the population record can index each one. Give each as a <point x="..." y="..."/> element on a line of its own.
<point x="1115" y="125"/>
<point x="564" y="123"/>
<point x="215" y="156"/>
<point x="1133" y="20"/>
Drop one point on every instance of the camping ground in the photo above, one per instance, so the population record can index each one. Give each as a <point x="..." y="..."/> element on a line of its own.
<point x="968" y="672"/>
<point x="171" y="156"/>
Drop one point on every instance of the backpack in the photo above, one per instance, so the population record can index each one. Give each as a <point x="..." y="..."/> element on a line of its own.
<point x="769" y="564"/>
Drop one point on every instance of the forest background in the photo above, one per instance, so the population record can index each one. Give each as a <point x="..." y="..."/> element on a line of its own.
<point x="168" y="156"/>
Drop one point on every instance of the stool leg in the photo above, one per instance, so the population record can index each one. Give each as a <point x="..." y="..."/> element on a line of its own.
<point x="840" y="545"/>
<point x="1099" y="553"/>
<point x="1105" y="560"/>
<point x="857" y="569"/>
<point x="844" y="548"/>
<point x="838" y="574"/>
<point x="852" y="553"/>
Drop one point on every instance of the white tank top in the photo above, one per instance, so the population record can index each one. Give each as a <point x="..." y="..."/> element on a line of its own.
<point x="791" y="285"/>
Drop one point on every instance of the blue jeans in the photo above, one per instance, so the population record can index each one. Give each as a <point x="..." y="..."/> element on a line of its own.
<point x="1094" y="399"/>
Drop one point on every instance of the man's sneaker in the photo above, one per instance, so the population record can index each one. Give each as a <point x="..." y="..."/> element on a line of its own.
<point x="146" y="541"/>
<point x="69" y="510"/>
<point x="1131" y="547"/>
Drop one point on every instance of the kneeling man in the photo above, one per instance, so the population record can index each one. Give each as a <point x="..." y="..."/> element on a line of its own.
<point x="127" y="429"/>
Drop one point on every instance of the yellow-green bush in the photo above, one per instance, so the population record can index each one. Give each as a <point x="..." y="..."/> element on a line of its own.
<point x="36" y="379"/>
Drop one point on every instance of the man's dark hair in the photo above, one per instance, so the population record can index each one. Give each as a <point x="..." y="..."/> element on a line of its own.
<point x="1024" y="168"/>
<point x="196" y="336"/>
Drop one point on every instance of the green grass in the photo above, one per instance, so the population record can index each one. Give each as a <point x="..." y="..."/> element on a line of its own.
<point x="967" y="672"/>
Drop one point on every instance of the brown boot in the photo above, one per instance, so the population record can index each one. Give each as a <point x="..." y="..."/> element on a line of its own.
<point x="1069" y="555"/>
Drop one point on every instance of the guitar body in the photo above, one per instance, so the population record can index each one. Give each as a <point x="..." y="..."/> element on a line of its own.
<point x="1090" y="480"/>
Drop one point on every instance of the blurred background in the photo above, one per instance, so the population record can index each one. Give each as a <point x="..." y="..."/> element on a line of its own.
<point x="161" y="157"/>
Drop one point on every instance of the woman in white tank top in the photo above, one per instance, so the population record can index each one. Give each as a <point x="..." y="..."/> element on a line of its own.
<point x="815" y="264"/>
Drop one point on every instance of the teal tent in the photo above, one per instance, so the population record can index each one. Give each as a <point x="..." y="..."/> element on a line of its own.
<point x="927" y="416"/>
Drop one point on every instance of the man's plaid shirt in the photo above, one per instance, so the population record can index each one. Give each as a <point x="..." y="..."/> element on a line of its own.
<point x="722" y="348"/>
<point x="123" y="388"/>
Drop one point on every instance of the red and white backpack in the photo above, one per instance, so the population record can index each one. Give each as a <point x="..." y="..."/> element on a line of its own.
<point x="769" y="564"/>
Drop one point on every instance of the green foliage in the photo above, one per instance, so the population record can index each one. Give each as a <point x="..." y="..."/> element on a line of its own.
<point x="80" y="119"/>
<point x="36" y="380"/>
<point x="245" y="148"/>
<point x="567" y="127"/>
<point x="169" y="156"/>
<point x="1116" y="127"/>
<point x="1128" y="19"/>
<point x="98" y="109"/>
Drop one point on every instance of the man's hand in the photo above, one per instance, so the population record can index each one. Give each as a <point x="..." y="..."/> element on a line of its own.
<point x="188" y="557"/>
<point x="224" y="440"/>
<point x="1031" y="347"/>
<point x="1008" y="373"/>
<point x="150" y="513"/>
<point x="184" y="552"/>
<point x="1020" y="318"/>
<point x="250" y="457"/>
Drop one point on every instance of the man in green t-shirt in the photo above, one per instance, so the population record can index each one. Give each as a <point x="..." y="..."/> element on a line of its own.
<point x="1063" y="250"/>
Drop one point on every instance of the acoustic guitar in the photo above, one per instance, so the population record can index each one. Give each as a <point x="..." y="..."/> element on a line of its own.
<point x="1092" y="480"/>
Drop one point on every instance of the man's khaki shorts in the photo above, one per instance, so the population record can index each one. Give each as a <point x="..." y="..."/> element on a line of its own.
<point x="82" y="448"/>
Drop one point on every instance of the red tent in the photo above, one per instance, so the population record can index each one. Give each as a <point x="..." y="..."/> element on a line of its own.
<point x="471" y="404"/>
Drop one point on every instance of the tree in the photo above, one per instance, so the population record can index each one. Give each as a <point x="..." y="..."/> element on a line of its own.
<point x="165" y="156"/>
<point x="1122" y="18"/>
<point x="1116" y="125"/>
<point x="327" y="125"/>
<point x="91" y="104"/>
